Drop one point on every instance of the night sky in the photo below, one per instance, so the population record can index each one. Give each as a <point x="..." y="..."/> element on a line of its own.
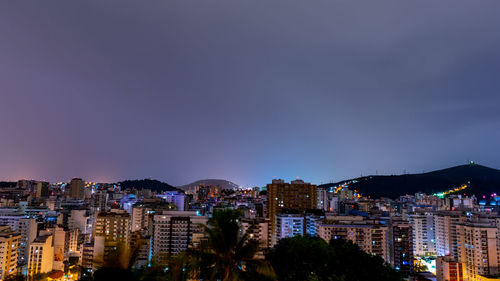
<point x="246" y="90"/>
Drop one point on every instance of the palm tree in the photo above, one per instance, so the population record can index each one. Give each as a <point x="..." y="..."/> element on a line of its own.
<point x="229" y="255"/>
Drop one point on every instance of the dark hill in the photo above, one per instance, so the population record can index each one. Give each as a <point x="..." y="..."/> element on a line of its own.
<point x="483" y="181"/>
<point x="153" y="185"/>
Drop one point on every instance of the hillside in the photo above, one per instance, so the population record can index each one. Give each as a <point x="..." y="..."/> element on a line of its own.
<point x="222" y="183"/>
<point x="154" y="185"/>
<point x="483" y="181"/>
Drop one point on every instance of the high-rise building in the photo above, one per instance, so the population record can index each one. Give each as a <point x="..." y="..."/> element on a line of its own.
<point x="445" y="231"/>
<point x="87" y="258"/>
<point x="401" y="245"/>
<point x="41" y="256"/>
<point x="478" y="249"/>
<point x="323" y="202"/>
<point x="9" y="243"/>
<point x="173" y="231"/>
<point x="139" y="217"/>
<point x="73" y="242"/>
<point x="424" y="241"/>
<point x="100" y="201"/>
<point x="28" y="228"/>
<point x="76" y="189"/>
<point x="112" y="231"/>
<point x="296" y="195"/>
<point x="42" y="190"/>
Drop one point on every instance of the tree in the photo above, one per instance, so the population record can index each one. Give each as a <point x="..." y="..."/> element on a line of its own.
<point x="301" y="258"/>
<point x="306" y="258"/>
<point x="228" y="254"/>
<point x="167" y="267"/>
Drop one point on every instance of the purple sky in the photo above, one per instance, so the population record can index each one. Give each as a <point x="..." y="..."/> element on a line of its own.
<point x="246" y="90"/>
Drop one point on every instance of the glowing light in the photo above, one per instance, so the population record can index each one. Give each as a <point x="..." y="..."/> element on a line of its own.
<point x="453" y="190"/>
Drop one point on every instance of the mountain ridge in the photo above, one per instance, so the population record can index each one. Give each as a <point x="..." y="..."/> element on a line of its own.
<point x="482" y="180"/>
<point x="154" y="185"/>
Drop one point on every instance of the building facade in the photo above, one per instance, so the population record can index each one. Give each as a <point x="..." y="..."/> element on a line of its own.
<point x="174" y="230"/>
<point x="297" y="195"/>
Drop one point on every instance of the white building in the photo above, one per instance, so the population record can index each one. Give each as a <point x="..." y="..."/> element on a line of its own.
<point x="80" y="219"/>
<point x="424" y="241"/>
<point x="445" y="226"/>
<point x="289" y="225"/>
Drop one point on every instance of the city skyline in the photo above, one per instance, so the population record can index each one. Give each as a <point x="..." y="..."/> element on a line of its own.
<point x="182" y="91"/>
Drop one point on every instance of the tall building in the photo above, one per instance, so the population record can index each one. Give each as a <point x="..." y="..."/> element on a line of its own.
<point x="478" y="250"/>
<point x="42" y="190"/>
<point x="401" y="245"/>
<point x="41" y="256"/>
<point x="28" y="228"/>
<point x="139" y="217"/>
<point x="296" y="195"/>
<point x="112" y="230"/>
<point x="76" y="189"/>
<point x="323" y="202"/>
<point x="100" y="201"/>
<point x="445" y="232"/>
<point x="173" y="231"/>
<point x="73" y="242"/>
<point x="87" y="258"/>
<point x="424" y="240"/>
<point x="9" y="243"/>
